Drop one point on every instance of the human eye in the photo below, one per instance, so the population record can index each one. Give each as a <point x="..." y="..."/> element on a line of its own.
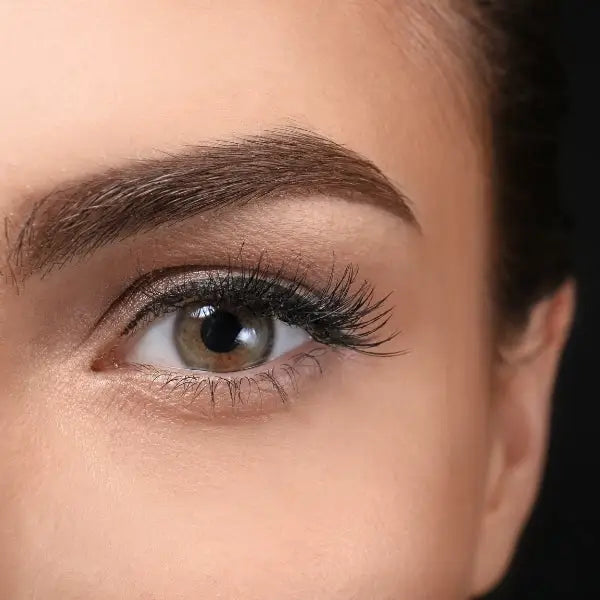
<point x="214" y="337"/>
<point x="227" y="339"/>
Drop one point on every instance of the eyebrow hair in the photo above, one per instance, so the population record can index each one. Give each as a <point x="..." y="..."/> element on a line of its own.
<point x="81" y="216"/>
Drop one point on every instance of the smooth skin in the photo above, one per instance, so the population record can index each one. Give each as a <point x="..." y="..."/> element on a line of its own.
<point x="407" y="477"/>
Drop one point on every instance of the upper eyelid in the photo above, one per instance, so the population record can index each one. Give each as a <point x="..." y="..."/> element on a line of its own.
<point x="135" y="289"/>
<point x="291" y="284"/>
<point x="188" y="286"/>
<point x="355" y="314"/>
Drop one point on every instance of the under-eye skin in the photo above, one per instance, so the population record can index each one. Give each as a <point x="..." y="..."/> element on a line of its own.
<point x="233" y="337"/>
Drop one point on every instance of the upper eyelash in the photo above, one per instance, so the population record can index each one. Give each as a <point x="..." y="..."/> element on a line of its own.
<point x="339" y="314"/>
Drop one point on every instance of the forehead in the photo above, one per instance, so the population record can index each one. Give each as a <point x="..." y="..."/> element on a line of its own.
<point x="91" y="84"/>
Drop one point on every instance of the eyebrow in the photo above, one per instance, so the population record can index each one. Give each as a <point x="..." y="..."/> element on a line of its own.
<point x="79" y="217"/>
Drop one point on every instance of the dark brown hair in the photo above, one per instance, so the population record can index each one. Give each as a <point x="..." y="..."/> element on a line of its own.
<point x="527" y="95"/>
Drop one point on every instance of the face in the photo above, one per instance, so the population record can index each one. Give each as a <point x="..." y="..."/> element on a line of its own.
<point x="248" y="348"/>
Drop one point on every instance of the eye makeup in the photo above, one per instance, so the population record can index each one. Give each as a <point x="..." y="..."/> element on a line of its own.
<point x="341" y="315"/>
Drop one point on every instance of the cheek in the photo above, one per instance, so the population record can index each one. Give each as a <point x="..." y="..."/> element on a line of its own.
<point x="368" y="489"/>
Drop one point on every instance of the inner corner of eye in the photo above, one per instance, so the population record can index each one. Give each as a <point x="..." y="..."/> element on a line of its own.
<point x="106" y="361"/>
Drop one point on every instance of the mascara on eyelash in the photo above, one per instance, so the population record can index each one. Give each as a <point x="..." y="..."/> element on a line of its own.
<point x="339" y="314"/>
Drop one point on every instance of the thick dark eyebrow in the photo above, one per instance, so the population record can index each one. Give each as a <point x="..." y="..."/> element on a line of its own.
<point x="77" y="218"/>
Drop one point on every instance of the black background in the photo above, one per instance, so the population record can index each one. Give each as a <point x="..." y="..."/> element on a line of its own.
<point x="560" y="550"/>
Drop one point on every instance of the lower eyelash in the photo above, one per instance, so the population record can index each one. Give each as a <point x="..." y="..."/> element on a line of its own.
<point x="241" y="392"/>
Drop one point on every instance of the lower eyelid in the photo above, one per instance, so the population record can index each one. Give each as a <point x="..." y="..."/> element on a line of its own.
<point x="197" y="395"/>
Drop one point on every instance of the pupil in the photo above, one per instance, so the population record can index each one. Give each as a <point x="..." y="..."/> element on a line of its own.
<point x="220" y="330"/>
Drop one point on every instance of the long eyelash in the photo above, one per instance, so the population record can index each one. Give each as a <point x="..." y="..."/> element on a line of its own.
<point x="341" y="313"/>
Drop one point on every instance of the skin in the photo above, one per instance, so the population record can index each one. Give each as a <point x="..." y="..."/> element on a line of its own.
<point x="403" y="477"/>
